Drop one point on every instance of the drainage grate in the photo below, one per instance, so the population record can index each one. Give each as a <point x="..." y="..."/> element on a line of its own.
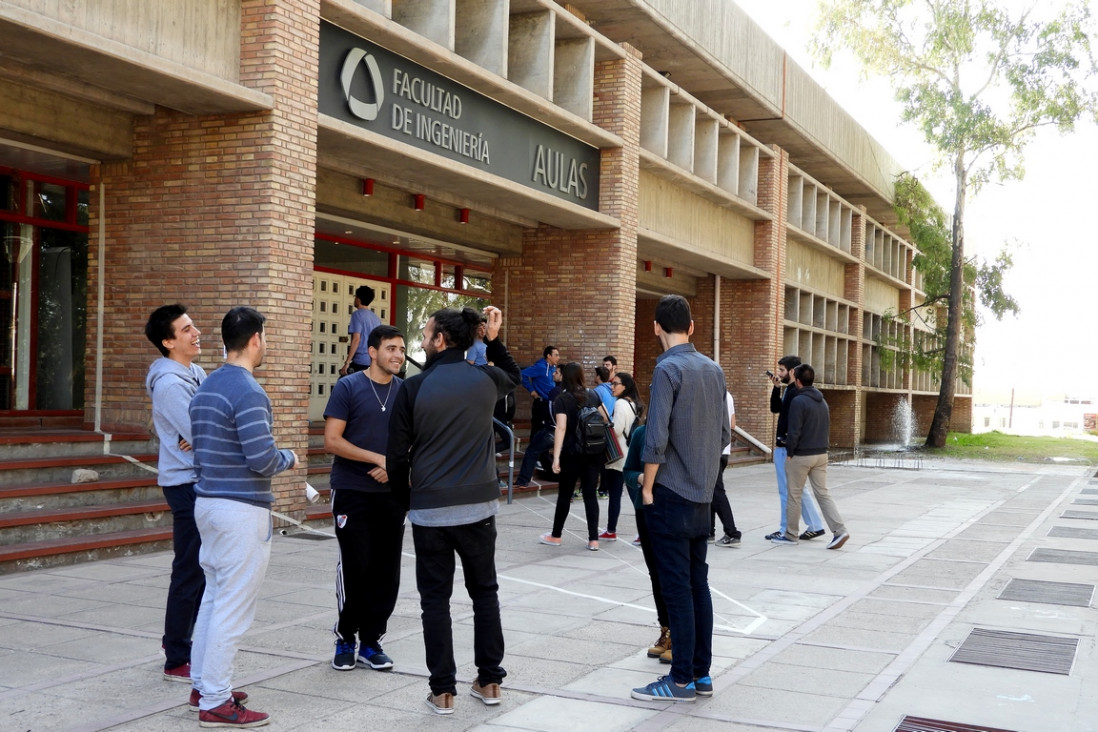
<point x="1085" y="502"/>
<point x="1023" y="651"/>
<point x="310" y="535"/>
<point x="1080" y="514"/>
<point x="1054" y="593"/>
<point x="922" y="724"/>
<point x="1063" y="556"/>
<point x="1090" y="491"/>
<point x="1070" y="532"/>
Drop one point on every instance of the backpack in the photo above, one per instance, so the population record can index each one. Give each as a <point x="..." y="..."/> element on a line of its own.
<point x="590" y="435"/>
<point x="637" y="422"/>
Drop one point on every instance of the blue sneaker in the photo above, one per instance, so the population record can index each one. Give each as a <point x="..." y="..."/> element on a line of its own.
<point x="664" y="689"/>
<point x="703" y="686"/>
<point x="344" y="656"/>
<point x="374" y="657"/>
<point x="783" y="540"/>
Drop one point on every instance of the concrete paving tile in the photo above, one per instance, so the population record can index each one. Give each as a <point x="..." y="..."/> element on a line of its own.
<point x="700" y="724"/>
<point x="871" y="621"/>
<point x="22" y="668"/>
<point x="807" y="679"/>
<point x="548" y="714"/>
<point x="542" y="673"/>
<point x="736" y="647"/>
<point x="104" y="648"/>
<point x="614" y="682"/>
<point x="107" y="572"/>
<point x="129" y="617"/>
<point x="980" y="551"/>
<point x="326" y="684"/>
<point x="46" y="711"/>
<point x="135" y="594"/>
<point x="46" y="582"/>
<point x="895" y="608"/>
<point x="939" y="574"/>
<point x="861" y="639"/>
<point x="781" y="706"/>
<point x="837" y="659"/>
<point x="51" y="606"/>
<point x="24" y="635"/>
<point x="917" y="594"/>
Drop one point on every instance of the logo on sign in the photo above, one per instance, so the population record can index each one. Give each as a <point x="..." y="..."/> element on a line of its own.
<point x="363" y="110"/>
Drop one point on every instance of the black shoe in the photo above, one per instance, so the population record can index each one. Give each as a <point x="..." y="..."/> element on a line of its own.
<point x="774" y="535"/>
<point x="811" y="534"/>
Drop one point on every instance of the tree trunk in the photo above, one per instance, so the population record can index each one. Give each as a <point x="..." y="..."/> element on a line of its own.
<point x="939" y="428"/>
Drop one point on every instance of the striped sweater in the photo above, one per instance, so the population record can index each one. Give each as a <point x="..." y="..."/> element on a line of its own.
<point x="234" y="451"/>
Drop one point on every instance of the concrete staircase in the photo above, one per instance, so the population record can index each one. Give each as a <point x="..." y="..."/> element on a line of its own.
<point x="46" y="519"/>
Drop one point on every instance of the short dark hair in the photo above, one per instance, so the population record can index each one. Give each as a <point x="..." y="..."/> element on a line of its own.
<point x="159" y="326"/>
<point x="458" y="327"/>
<point x="365" y="294"/>
<point x="547" y="351"/>
<point x="673" y="314"/>
<point x="790" y="362"/>
<point x="611" y="359"/>
<point x="602" y="373"/>
<point x="382" y="333"/>
<point x="239" y="325"/>
<point x="805" y="374"/>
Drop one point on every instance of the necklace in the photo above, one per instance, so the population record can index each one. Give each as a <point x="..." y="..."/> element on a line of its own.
<point x="374" y="390"/>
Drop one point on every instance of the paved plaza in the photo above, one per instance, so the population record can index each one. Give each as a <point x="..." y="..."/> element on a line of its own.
<point x="806" y="639"/>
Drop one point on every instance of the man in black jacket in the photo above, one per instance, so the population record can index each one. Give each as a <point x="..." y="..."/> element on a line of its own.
<point x="441" y="458"/>
<point x="806" y="442"/>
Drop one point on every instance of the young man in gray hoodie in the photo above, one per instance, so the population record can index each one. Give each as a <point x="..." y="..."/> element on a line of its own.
<point x="806" y="443"/>
<point x="171" y="382"/>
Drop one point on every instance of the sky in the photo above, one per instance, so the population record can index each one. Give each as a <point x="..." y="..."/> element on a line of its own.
<point x="1044" y="218"/>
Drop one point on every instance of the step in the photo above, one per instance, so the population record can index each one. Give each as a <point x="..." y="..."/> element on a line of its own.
<point x="64" y="443"/>
<point x="59" y="469"/>
<point x="62" y="495"/>
<point x="74" y="549"/>
<point x="18" y="527"/>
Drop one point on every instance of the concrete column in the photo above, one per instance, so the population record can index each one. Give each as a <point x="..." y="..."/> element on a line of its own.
<point x="214" y="212"/>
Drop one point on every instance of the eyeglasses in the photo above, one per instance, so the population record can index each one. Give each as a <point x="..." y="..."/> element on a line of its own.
<point x="615" y="383"/>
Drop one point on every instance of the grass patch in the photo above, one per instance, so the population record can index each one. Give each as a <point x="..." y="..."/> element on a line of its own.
<point x="998" y="446"/>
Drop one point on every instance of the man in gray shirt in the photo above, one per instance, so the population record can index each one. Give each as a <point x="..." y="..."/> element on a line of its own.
<point x="688" y="428"/>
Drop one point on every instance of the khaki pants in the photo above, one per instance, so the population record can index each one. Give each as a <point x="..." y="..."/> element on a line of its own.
<point x="814" y="469"/>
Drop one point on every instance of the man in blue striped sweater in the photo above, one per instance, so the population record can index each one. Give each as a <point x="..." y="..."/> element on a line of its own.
<point x="234" y="457"/>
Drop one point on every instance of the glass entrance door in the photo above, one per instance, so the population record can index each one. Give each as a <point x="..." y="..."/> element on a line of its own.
<point x="43" y="287"/>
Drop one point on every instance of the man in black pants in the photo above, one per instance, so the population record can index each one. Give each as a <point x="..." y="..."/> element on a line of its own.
<point x="448" y="476"/>
<point x="369" y="520"/>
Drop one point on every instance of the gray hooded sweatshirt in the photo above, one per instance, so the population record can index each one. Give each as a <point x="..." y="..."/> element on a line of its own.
<point x="171" y="385"/>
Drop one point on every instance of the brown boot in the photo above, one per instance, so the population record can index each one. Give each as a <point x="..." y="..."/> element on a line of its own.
<point x="662" y="644"/>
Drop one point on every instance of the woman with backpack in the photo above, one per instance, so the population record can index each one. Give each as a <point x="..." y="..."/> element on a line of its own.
<point x="628" y="415"/>
<point x="573" y="460"/>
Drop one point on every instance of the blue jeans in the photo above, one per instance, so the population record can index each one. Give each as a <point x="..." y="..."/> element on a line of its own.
<point x="188" y="581"/>
<point x="679" y="529"/>
<point x="811" y="517"/>
<point x="435" y="548"/>
<point x="539" y="443"/>
<point x="236" y="548"/>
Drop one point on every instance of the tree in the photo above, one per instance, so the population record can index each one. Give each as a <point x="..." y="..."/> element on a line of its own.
<point x="978" y="81"/>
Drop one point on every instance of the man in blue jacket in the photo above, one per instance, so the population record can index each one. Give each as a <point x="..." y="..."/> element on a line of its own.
<point x="235" y="457"/>
<point x="538" y="380"/>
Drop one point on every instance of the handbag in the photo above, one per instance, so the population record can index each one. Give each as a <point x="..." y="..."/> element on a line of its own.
<point x="613" y="445"/>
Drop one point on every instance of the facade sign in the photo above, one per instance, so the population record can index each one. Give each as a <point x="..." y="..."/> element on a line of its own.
<point x="370" y="87"/>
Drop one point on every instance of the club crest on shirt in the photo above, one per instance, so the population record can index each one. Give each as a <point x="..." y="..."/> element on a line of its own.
<point x="341" y="520"/>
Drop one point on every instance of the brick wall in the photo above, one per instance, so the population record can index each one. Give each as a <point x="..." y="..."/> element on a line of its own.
<point x="845" y="419"/>
<point x="214" y="212"/>
<point x="577" y="289"/>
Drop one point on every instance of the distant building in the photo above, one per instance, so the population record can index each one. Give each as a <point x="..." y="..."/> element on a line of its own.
<point x="1069" y="416"/>
<point x="570" y="162"/>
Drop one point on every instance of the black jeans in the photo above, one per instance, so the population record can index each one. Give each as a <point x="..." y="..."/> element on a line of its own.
<point x="721" y="507"/>
<point x="435" y="548"/>
<point x="370" y="530"/>
<point x="539" y="443"/>
<point x="188" y="580"/>
<point x="679" y="528"/>
<point x="585" y="469"/>
<point x="612" y="482"/>
<point x="539" y="416"/>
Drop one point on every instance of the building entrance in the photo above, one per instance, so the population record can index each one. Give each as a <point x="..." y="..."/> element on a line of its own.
<point x="43" y="291"/>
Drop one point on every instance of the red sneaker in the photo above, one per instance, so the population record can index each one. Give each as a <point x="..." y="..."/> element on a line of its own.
<point x="608" y="536"/>
<point x="179" y="673"/>
<point x="232" y="714"/>
<point x="239" y="697"/>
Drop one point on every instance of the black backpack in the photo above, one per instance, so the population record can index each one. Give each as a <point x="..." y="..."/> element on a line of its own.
<point x="590" y="433"/>
<point x="638" y="420"/>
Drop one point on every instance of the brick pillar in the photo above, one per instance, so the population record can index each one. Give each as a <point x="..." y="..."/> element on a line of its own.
<point x="752" y="311"/>
<point x="852" y="410"/>
<point x="216" y="211"/>
<point x="577" y="289"/>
